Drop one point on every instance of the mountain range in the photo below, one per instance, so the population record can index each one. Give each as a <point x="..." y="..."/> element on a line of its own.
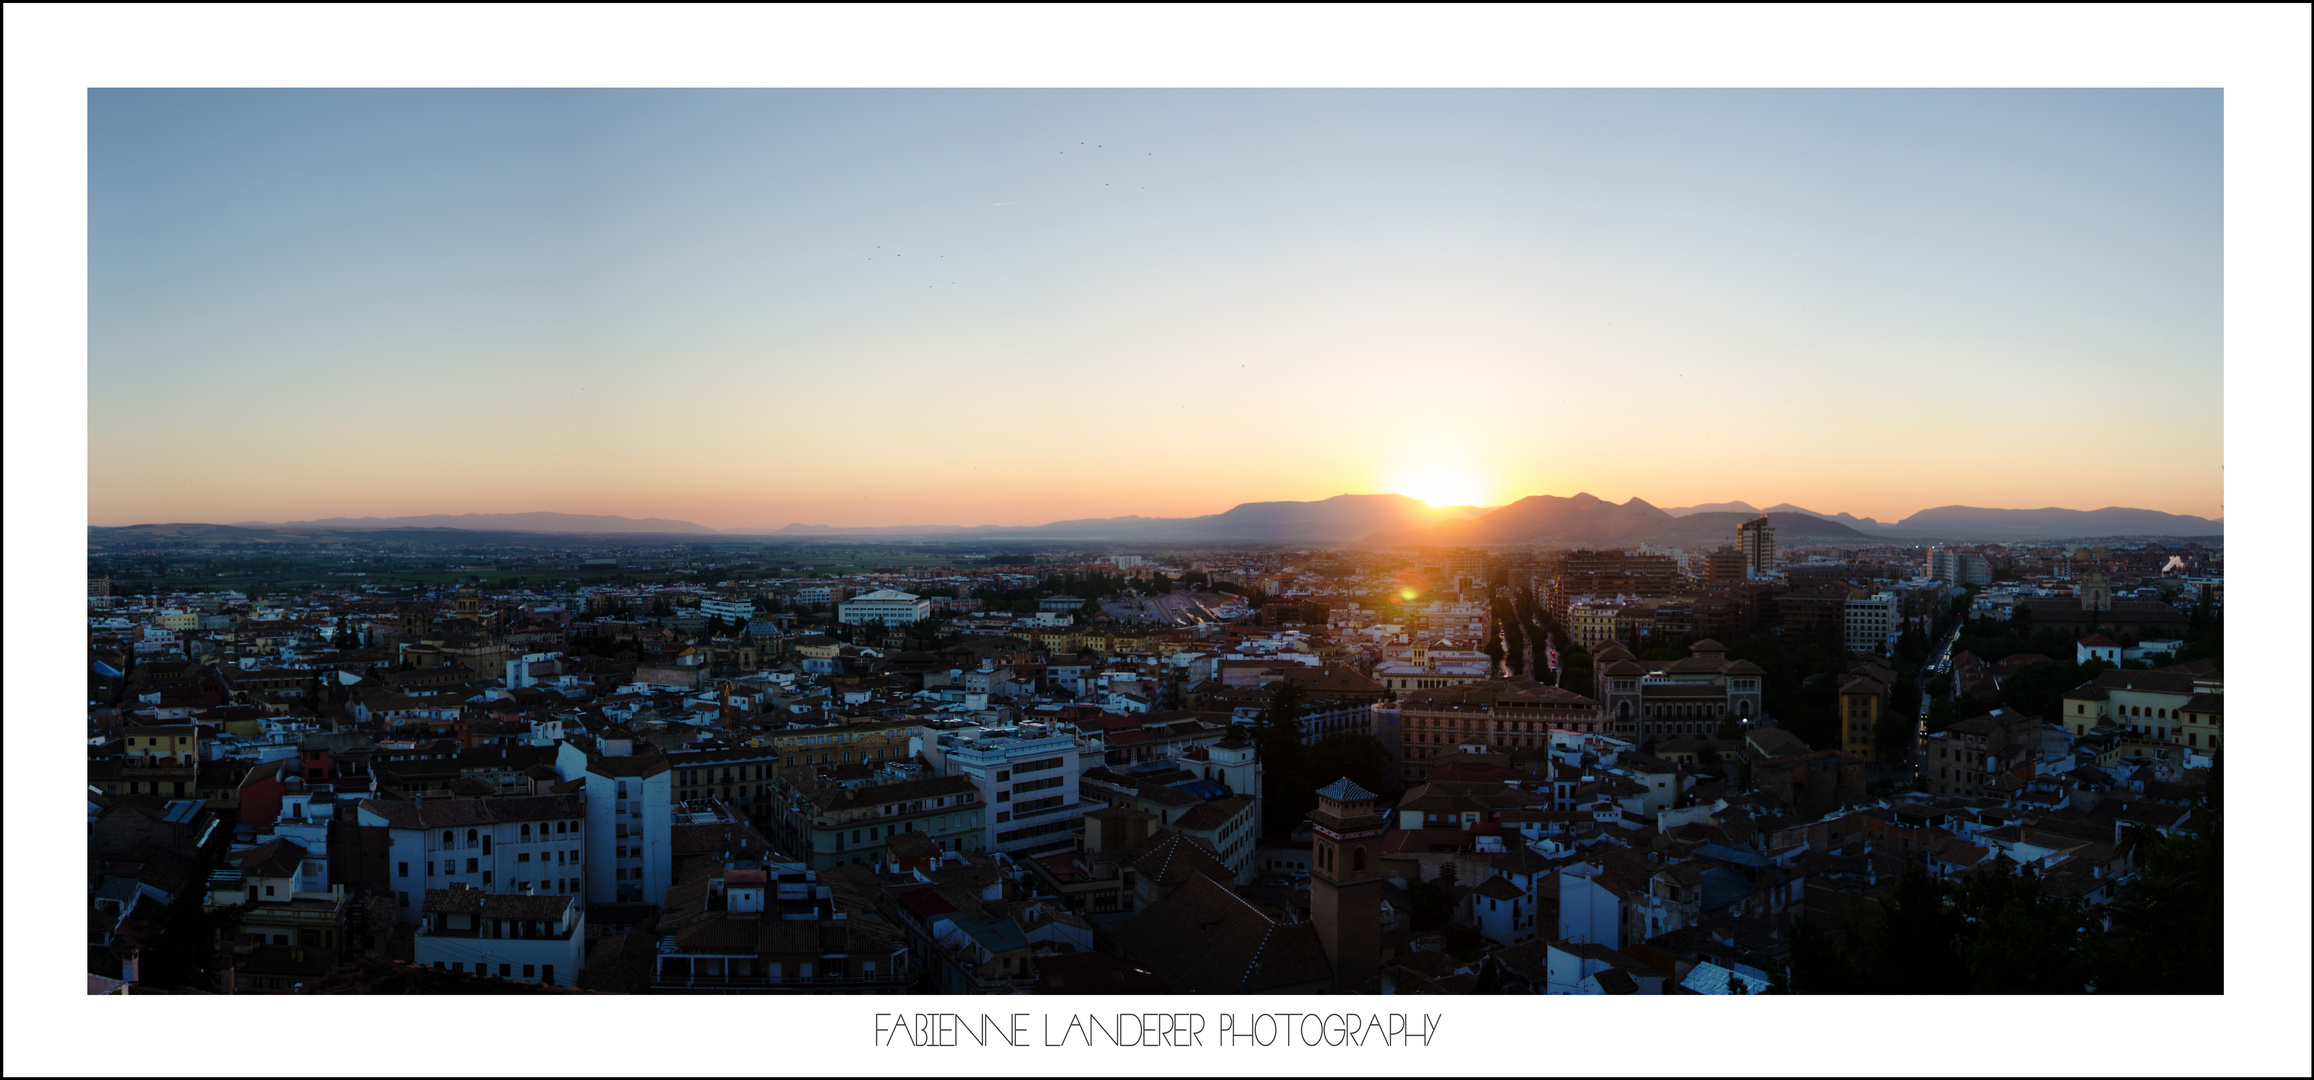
<point x="1579" y="519"/>
<point x="536" y="521"/>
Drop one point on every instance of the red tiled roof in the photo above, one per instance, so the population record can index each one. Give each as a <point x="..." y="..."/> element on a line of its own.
<point x="1424" y="841"/>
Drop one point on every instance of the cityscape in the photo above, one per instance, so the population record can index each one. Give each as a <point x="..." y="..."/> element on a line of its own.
<point x="331" y="760"/>
<point x="1149" y="544"/>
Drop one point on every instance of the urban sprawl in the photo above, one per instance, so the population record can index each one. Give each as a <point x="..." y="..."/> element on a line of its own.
<point x="631" y="764"/>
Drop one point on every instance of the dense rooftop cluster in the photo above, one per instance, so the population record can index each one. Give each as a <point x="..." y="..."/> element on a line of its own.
<point x="1239" y="772"/>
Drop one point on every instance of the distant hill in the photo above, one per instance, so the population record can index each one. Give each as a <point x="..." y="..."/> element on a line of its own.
<point x="1737" y="507"/>
<point x="183" y="531"/>
<point x="540" y="521"/>
<point x="1851" y="520"/>
<point x="1587" y="519"/>
<point x="1713" y="530"/>
<point x="2050" y="522"/>
<point x="1580" y="519"/>
<point x="1343" y="517"/>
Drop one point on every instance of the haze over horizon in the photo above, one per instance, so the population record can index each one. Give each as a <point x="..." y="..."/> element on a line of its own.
<point x="750" y="309"/>
<point x="1445" y="511"/>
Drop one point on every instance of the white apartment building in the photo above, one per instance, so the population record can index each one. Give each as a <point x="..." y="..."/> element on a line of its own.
<point x="629" y="815"/>
<point x="1027" y="778"/>
<point x="730" y="611"/>
<point x="1871" y="620"/>
<point x="532" y="938"/>
<point x="889" y="606"/>
<point x="518" y="844"/>
<point x="1959" y="567"/>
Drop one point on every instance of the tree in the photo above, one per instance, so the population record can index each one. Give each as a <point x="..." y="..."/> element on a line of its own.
<point x="1575" y="667"/>
<point x="1489" y="978"/>
<point x="2039" y="689"/>
<point x="1462" y="941"/>
<point x="2165" y="930"/>
<point x="1431" y="902"/>
<point x="1912" y="645"/>
<point x="186" y="954"/>
<point x="1994" y="931"/>
<point x="1288" y="794"/>
<point x="1358" y="756"/>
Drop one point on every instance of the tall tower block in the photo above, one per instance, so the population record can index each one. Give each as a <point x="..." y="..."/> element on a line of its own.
<point x="1345" y="883"/>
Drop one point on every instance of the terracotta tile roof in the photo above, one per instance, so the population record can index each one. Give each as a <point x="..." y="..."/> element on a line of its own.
<point x="1212" y="815"/>
<point x="1498" y="888"/>
<point x="2159" y="682"/>
<point x="274" y="858"/>
<point x="1204" y="939"/>
<point x="1424" y="841"/>
<point x="1172" y="858"/>
<point x="1615" y="981"/>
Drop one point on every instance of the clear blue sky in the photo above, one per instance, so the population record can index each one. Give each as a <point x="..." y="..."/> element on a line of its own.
<point x="751" y="308"/>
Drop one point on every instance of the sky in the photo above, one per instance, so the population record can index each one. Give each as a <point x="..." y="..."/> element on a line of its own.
<point x="747" y="308"/>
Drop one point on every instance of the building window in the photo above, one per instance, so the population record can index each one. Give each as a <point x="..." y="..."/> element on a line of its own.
<point x="402" y="869"/>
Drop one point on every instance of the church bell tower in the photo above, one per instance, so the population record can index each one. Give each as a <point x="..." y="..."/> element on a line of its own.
<point x="1345" y="883"/>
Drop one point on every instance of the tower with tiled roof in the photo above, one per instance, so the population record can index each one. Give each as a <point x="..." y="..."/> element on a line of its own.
<point x="1346" y="883"/>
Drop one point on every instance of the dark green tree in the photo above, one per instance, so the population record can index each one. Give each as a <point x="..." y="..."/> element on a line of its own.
<point x="1997" y="930"/>
<point x="1358" y="756"/>
<point x="2165" y="930"/>
<point x="1489" y="978"/>
<point x="1288" y="791"/>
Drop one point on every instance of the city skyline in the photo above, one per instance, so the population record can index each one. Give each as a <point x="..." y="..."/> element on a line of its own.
<point x="1162" y="303"/>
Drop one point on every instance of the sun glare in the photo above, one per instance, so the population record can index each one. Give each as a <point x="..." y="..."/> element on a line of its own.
<point x="1440" y="486"/>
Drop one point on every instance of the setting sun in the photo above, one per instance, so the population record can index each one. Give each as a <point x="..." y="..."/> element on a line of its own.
<point x="1440" y="485"/>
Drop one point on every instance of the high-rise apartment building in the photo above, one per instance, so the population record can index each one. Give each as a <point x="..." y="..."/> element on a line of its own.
<point x="1026" y="777"/>
<point x="1756" y="539"/>
<point x="1959" y="567"/>
<point x="1869" y="621"/>
<point x="1724" y="567"/>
